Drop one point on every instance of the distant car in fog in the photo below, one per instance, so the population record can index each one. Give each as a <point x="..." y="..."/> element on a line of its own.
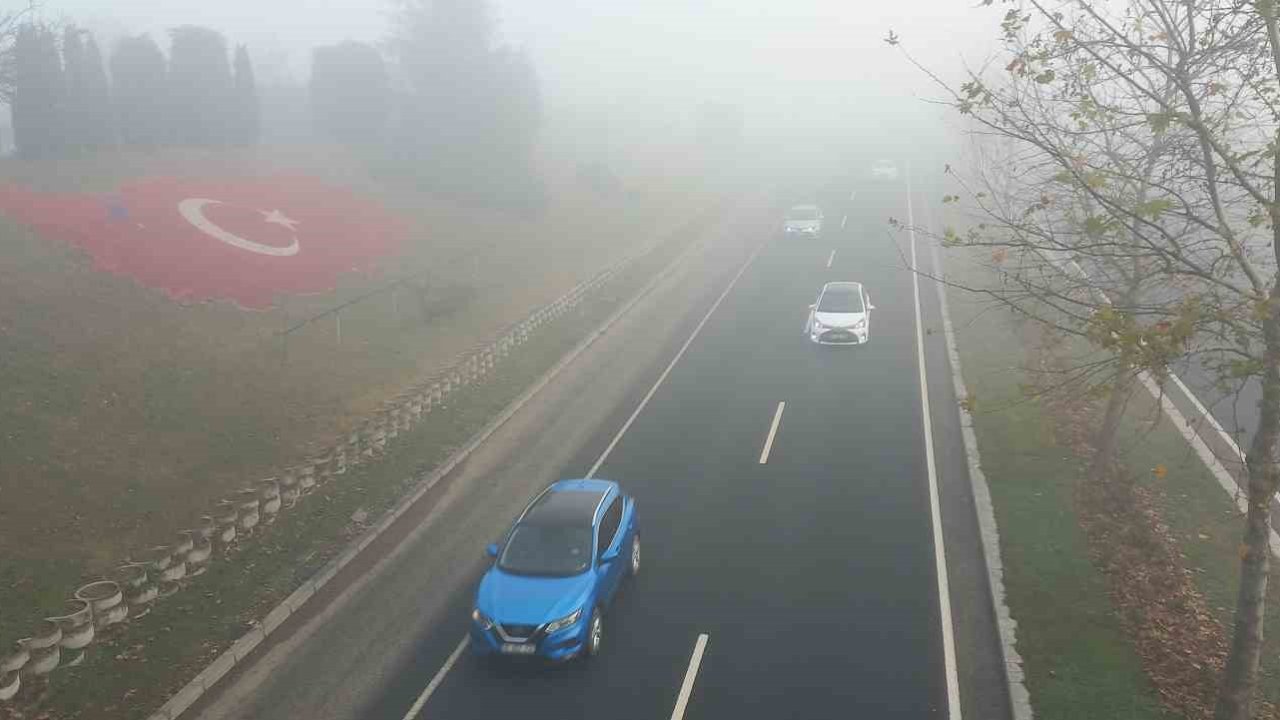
<point x="841" y="315"/>
<point x="885" y="169"/>
<point x="803" y="221"/>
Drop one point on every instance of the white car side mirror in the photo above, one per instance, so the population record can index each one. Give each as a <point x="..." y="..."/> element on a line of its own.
<point x="813" y="306"/>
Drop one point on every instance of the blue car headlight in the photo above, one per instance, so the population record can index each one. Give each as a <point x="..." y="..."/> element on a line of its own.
<point x="481" y="619"/>
<point x="564" y="622"/>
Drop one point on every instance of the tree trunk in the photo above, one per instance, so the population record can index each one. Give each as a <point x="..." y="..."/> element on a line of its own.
<point x="1239" y="678"/>
<point x="1104" y="446"/>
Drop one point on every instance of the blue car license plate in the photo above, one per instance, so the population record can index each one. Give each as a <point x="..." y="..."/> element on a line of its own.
<point x="518" y="649"/>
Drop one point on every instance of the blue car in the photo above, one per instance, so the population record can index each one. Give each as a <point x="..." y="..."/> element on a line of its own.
<point x="556" y="573"/>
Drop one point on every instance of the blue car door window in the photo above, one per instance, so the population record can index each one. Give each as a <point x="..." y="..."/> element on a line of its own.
<point x="608" y="539"/>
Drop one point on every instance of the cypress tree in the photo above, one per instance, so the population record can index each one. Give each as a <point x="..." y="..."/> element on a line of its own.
<point x="247" y="108"/>
<point x="139" y="76"/>
<point x="97" y="91"/>
<point x="350" y="93"/>
<point x="39" y="94"/>
<point x="200" y="87"/>
<point x="77" y="126"/>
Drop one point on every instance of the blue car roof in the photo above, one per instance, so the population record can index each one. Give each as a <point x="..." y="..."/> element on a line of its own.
<point x="593" y="484"/>
<point x="568" y="502"/>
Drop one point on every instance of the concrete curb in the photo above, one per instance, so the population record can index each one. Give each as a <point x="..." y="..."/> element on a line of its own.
<point x="1219" y="471"/>
<point x="239" y="651"/>
<point x="1019" y="698"/>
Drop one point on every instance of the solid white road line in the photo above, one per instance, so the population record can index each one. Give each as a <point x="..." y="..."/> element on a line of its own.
<point x="658" y="383"/>
<point x="435" y="681"/>
<point x="773" y="431"/>
<point x="1204" y="413"/>
<point x="686" y="688"/>
<point x="935" y="510"/>
<point x="832" y="258"/>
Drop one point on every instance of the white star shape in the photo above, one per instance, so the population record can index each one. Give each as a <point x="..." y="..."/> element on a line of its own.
<point x="275" y="217"/>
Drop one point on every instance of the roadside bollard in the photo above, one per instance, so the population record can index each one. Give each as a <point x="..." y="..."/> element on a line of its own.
<point x="77" y="632"/>
<point x="10" y="684"/>
<point x="353" y="453"/>
<point x="15" y="659"/>
<point x="43" y="649"/>
<point x="289" y="490"/>
<point x="199" y="556"/>
<point x="11" y="663"/>
<point x="387" y="418"/>
<point x="269" y="495"/>
<point x="106" y="602"/>
<point x="307" y="478"/>
<point x="227" y="518"/>
<point x="249" y="507"/>
<point x="324" y="470"/>
<point x="43" y="660"/>
<point x="139" y="591"/>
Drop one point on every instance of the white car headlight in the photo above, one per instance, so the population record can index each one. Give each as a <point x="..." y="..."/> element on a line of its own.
<point x="481" y="619"/>
<point x="860" y="325"/>
<point x="565" y="621"/>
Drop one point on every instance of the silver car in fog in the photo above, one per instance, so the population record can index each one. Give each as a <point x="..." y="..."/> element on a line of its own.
<point x="803" y="221"/>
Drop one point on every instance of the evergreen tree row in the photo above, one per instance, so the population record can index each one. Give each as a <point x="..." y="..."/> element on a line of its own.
<point x="64" y="102"/>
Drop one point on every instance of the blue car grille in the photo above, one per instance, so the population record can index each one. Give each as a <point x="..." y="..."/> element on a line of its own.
<point x="519" y="631"/>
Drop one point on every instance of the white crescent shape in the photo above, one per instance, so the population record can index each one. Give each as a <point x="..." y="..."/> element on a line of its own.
<point x="192" y="210"/>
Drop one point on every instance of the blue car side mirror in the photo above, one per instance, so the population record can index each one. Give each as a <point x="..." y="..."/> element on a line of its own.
<point x="609" y="556"/>
<point x="492" y="550"/>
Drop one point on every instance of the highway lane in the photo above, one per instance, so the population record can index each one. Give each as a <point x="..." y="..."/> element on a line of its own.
<point x="812" y="574"/>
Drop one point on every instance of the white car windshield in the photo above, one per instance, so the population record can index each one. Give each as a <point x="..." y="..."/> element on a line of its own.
<point x="555" y="550"/>
<point x="840" y="300"/>
<point x="803" y="214"/>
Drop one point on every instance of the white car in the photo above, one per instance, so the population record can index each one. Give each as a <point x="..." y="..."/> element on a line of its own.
<point x="803" y="221"/>
<point x="841" y="316"/>
<point x="885" y="169"/>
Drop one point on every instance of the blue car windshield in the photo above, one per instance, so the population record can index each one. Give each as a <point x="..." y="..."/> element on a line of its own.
<point x="555" y="550"/>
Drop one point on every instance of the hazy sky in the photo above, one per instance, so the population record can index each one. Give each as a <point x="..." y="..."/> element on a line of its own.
<point x="798" y="65"/>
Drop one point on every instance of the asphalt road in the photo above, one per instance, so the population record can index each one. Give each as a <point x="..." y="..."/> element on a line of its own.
<point x="810" y="571"/>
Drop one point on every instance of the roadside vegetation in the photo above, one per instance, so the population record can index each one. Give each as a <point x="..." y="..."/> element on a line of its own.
<point x="126" y="415"/>
<point x="134" y="670"/>
<point x="1122" y="598"/>
<point x="1122" y="190"/>
<point x="1077" y="660"/>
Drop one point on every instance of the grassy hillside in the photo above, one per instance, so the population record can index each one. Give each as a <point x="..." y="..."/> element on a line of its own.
<point x="123" y="414"/>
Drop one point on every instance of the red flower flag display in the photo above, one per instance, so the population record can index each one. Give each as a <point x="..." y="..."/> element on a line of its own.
<point x="245" y="240"/>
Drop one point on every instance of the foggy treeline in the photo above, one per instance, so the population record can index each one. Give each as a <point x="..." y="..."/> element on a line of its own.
<point x="63" y="99"/>
<point x="441" y="101"/>
<point x="448" y="104"/>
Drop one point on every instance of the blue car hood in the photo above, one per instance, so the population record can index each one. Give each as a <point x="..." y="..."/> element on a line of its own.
<point x="529" y="600"/>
